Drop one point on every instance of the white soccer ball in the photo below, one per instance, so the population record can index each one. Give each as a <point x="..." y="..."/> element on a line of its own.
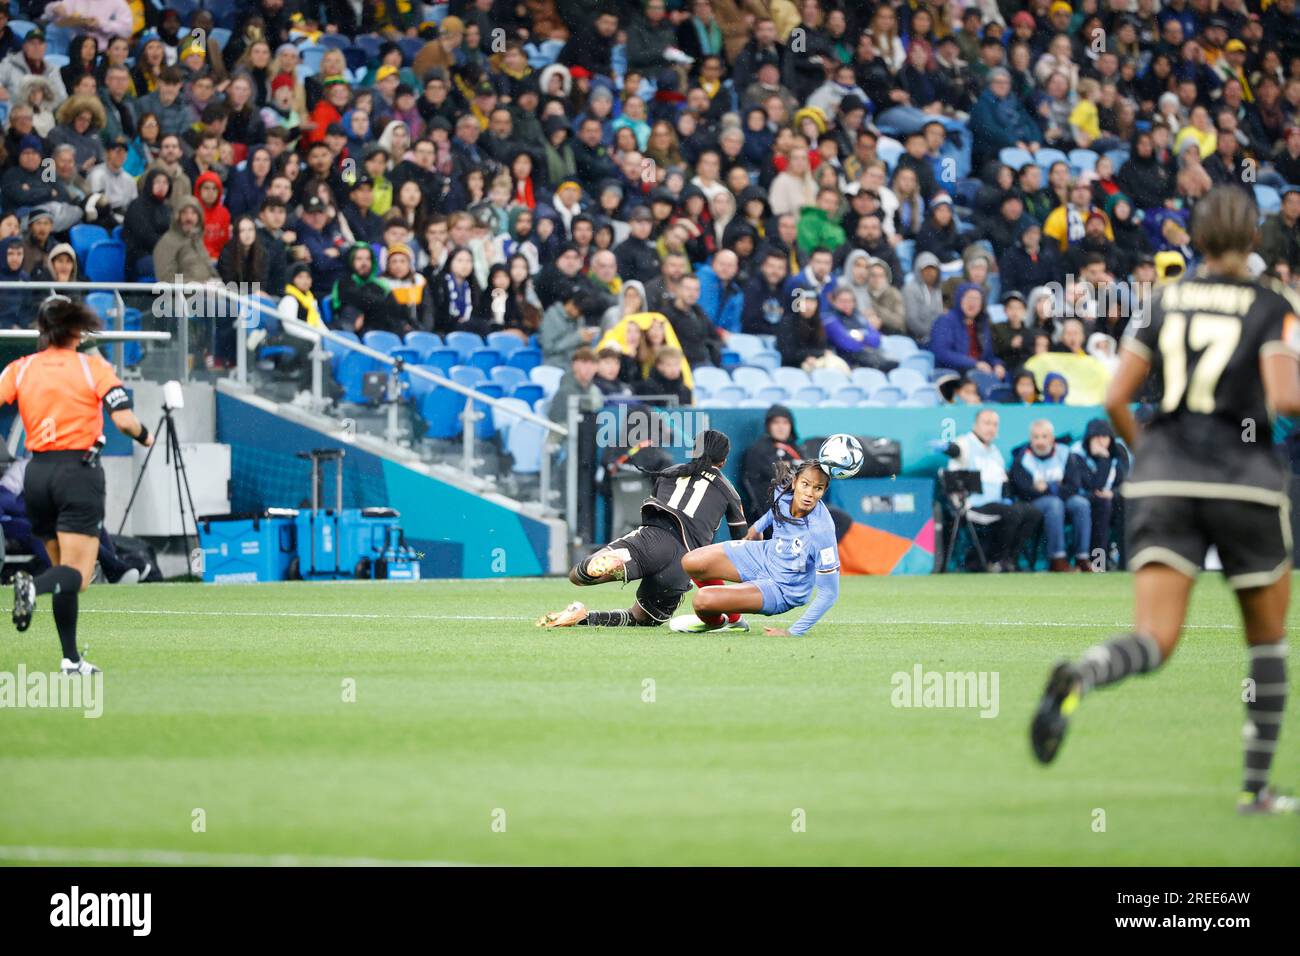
<point x="841" y="455"/>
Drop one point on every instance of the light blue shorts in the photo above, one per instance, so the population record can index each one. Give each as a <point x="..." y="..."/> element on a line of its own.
<point x="750" y="559"/>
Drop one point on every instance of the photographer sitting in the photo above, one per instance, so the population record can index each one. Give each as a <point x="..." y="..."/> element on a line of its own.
<point x="1015" y="523"/>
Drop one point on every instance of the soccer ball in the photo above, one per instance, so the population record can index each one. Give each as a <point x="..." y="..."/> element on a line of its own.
<point x="841" y="455"/>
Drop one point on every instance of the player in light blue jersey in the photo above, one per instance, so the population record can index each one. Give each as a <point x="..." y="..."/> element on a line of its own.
<point x="777" y="574"/>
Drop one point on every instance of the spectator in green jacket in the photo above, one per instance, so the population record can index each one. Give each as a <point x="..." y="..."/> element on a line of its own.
<point x="817" y="224"/>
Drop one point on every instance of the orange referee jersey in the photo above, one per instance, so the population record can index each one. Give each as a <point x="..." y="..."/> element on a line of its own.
<point x="60" y="394"/>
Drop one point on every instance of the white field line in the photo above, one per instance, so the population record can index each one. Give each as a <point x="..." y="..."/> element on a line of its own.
<point x="145" y="857"/>
<point x="877" y="622"/>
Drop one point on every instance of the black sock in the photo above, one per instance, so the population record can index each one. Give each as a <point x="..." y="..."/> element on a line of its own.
<point x="1116" y="659"/>
<point x="609" y="619"/>
<point x="64" y="583"/>
<point x="1264" y="711"/>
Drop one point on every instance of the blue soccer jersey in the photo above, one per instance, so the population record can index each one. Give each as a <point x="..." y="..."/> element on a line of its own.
<point x="801" y="554"/>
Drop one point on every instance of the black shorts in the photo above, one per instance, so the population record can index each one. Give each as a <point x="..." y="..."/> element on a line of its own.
<point x="63" y="494"/>
<point x="1253" y="539"/>
<point x="653" y="555"/>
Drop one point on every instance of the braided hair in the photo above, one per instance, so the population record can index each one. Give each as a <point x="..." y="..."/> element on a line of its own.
<point x="783" y="480"/>
<point x="711" y="450"/>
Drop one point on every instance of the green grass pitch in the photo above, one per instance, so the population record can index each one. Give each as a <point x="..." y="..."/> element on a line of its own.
<point x="476" y="738"/>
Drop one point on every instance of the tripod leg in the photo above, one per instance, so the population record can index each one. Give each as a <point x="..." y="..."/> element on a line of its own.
<point x="182" y="477"/>
<point x="974" y="535"/>
<point x="140" y="477"/>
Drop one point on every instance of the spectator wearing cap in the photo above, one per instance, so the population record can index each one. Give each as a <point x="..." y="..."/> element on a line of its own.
<point x="361" y="301"/>
<point x="319" y="234"/>
<point x="282" y="109"/>
<point x="998" y="119"/>
<point x="146" y="221"/>
<point x="29" y="60"/>
<point x="1028" y="263"/>
<point x="113" y="181"/>
<point x="938" y="233"/>
<point x="362" y="220"/>
<point x="1280" y="237"/>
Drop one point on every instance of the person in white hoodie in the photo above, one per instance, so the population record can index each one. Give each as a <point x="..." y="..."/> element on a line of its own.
<point x="923" y="297"/>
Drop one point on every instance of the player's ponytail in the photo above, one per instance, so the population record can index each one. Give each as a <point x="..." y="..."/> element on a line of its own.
<point x="783" y="479"/>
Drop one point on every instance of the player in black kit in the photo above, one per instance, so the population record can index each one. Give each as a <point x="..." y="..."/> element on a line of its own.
<point x="1226" y="350"/>
<point x="688" y="504"/>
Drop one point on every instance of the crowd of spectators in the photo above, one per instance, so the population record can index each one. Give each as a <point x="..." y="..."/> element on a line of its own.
<point x="825" y="173"/>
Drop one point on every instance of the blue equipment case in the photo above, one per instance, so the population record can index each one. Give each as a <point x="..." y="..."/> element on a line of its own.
<point x="245" y="548"/>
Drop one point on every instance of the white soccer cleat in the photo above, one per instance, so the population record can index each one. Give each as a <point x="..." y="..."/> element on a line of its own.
<point x="130" y="576"/>
<point x="571" y="615"/>
<point x="690" y="624"/>
<point x="741" y="625"/>
<point x="82" y="667"/>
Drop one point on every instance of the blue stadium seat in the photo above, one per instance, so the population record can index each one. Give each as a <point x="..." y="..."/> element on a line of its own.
<point x="745" y="344"/>
<point x="337" y="351"/>
<point x="106" y="261"/>
<point x="997" y="312"/>
<point x="406" y="355"/>
<point x="442" y="359"/>
<point x="381" y="341"/>
<point x="1117" y="157"/>
<point x="526" y="443"/>
<point x="1047" y="157"/>
<point x="732" y="359"/>
<point x="219" y="35"/>
<point x="530" y="392"/>
<point x="768" y="358"/>
<point x="769" y="342"/>
<point x="423" y="342"/>
<point x="906" y="378"/>
<point x="504" y="418"/>
<point x="711" y="378"/>
<point x="370" y="43"/>
<point x="898" y="346"/>
<point x="508" y="377"/>
<point x="21" y="27"/>
<point x="1082" y="160"/>
<point x="887" y="395"/>
<point x="869" y="379"/>
<point x="417" y="386"/>
<point x="890" y="153"/>
<point x="464" y="343"/>
<point x="984" y="381"/>
<point x="507" y="343"/>
<point x="849" y="395"/>
<point x="351" y="375"/>
<point x="485" y="427"/>
<point x="927" y="395"/>
<point x="791" y="379"/>
<point x="772" y="395"/>
<point x="526" y="359"/>
<point x="547" y="376"/>
<point x="441" y="409"/>
<point x="829" y="379"/>
<point x="410" y="46"/>
<point x="1268" y="199"/>
<point x="751" y="379"/>
<point x="923" y="362"/>
<point x="83" y="236"/>
<point x="731" y="395"/>
<point x="485" y="359"/>
<point x="1015" y="157"/>
<point x="808" y="395"/>
<point x="334" y="40"/>
<point x="701" y="396"/>
<point x="964" y="193"/>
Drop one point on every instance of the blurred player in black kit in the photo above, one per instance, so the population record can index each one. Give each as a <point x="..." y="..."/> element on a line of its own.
<point x="688" y="504"/>
<point x="1226" y="351"/>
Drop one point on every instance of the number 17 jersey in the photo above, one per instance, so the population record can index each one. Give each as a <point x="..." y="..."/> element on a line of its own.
<point x="1212" y="434"/>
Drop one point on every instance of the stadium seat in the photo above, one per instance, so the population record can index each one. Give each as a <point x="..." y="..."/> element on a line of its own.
<point x="423" y="342"/>
<point x="808" y="395"/>
<point x="730" y="395"/>
<point x="335" y="41"/>
<point x="1268" y="199"/>
<point x="889" y="151"/>
<point x="485" y="359"/>
<point x="753" y="403"/>
<point x="906" y="378"/>
<point x="1001" y="394"/>
<point x="355" y="58"/>
<point x="997" y="313"/>
<point x="751" y="379"/>
<point x="441" y="409"/>
<point x="1015" y="157"/>
<point x="927" y="395"/>
<point x="909" y="403"/>
<point x="871" y="404"/>
<point x="337" y="350"/>
<point x="381" y="341"/>
<point x="417" y="386"/>
<point x="442" y="359"/>
<point x="350" y="372"/>
<point x="547" y="376"/>
<point x="506" y="414"/>
<point x="405" y="355"/>
<point x="526" y="359"/>
<point x="923" y="362"/>
<point x="220" y="36"/>
<point x="791" y="379"/>
<point x="526" y="443"/>
<point x="964" y="193"/>
<point x="849" y="395"/>
<point x="485" y="427"/>
<point x="906" y="252"/>
<point x="898" y="346"/>
<point x="410" y="46"/>
<point x="984" y="381"/>
<point x="21" y="27"/>
<point x="1082" y="160"/>
<point x="745" y="344"/>
<point x="508" y="377"/>
<point x="769" y="342"/>
<point x="834" y="403"/>
<point x="529" y="392"/>
<point x="768" y="358"/>
<point x="370" y="43"/>
<point x="506" y="343"/>
<point x="829" y="379"/>
<point x="1047" y="157"/>
<point x="711" y="378"/>
<point x="887" y="395"/>
<point x="869" y="379"/>
<point x="731" y="359"/>
<point x="106" y="262"/>
<point x="467" y="375"/>
<point x="1117" y="157"/>
<point x="83" y="236"/>
<point x="463" y="342"/>
<point x="701" y="396"/>
<point x="772" y="395"/>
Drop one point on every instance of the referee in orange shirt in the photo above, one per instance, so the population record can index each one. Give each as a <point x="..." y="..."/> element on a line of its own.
<point x="61" y="394"/>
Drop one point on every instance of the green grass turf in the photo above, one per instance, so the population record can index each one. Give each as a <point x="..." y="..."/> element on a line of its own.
<point x="213" y="701"/>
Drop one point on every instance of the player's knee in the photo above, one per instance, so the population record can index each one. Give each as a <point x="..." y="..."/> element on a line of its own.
<point x="709" y="599"/>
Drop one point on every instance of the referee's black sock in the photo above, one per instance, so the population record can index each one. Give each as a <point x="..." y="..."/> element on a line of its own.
<point x="63" y="583"/>
<point x="1116" y="659"/>
<point x="1265" y="706"/>
<point x="608" y="619"/>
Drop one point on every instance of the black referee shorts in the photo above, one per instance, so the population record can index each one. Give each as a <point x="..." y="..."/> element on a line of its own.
<point x="1253" y="539"/>
<point x="653" y="554"/>
<point x="63" y="494"/>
